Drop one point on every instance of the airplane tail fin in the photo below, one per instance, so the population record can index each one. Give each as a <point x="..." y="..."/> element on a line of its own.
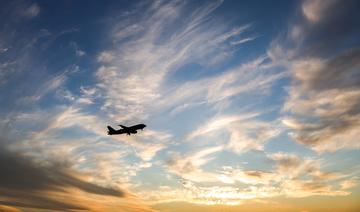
<point x="111" y="130"/>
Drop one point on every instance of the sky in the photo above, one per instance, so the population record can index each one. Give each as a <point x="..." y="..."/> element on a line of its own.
<point x="249" y="105"/>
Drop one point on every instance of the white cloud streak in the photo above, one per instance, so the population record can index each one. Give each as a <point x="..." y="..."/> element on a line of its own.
<point x="245" y="132"/>
<point x="134" y="75"/>
<point x="189" y="167"/>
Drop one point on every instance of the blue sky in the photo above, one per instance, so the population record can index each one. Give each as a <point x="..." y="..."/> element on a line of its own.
<point x="245" y="102"/>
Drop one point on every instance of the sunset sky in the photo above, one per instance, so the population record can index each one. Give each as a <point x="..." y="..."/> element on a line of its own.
<point x="249" y="105"/>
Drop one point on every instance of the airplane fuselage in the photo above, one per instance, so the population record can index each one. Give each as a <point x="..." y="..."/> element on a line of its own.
<point x="126" y="130"/>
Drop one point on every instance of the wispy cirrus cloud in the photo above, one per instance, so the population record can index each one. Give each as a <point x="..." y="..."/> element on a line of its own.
<point x="189" y="166"/>
<point x="135" y="73"/>
<point x="246" y="131"/>
<point x="253" y="77"/>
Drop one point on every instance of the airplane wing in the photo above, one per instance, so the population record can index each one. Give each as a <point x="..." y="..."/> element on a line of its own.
<point x="112" y="131"/>
<point x="122" y="131"/>
<point x="124" y="127"/>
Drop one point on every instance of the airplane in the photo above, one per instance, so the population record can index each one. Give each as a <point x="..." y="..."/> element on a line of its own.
<point x="126" y="130"/>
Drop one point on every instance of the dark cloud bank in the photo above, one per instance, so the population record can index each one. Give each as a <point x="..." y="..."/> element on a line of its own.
<point x="324" y="98"/>
<point x="25" y="183"/>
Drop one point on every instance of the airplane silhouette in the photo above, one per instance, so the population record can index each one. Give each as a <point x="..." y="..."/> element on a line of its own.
<point x="126" y="130"/>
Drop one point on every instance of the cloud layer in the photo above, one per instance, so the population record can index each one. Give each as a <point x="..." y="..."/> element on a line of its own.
<point x="324" y="95"/>
<point x="230" y="120"/>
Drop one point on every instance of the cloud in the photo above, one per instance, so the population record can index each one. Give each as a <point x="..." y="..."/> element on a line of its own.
<point x="88" y="143"/>
<point x="350" y="183"/>
<point x="288" y="168"/>
<point x="319" y="39"/>
<point x="245" y="132"/>
<point x="69" y="31"/>
<point x="136" y="80"/>
<point x="21" y="176"/>
<point x="87" y="96"/>
<point x="65" y="173"/>
<point x="105" y="57"/>
<point x="71" y="134"/>
<point x="3" y="50"/>
<point x="304" y="177"/>
<point x="146" y="52"/>
<point x="52" y="84"/>
<point x="148" y="144"/>
<point x="289" y="175"/>
<point x="230" y="175"/>
<point x="219" y="123"/>
<point x="22" y="61"/>
<point x="9" y="208"/>
<point x="18" y="11"/>
<point x="155" y="52"/>
<point x="244" y="40"/>
<point x="78" y="52"/>
<point x="253" y="77"/>
<point x="315" y="10"/>
<point x="322" y="108"/>
<point x="189" y="166"/>
<point x="39" y="202"/>
<point x="32" y="11"/>
<point x="16" y="54"/>
<point x="134" y="73"/>
<point x="325" y="101"/>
